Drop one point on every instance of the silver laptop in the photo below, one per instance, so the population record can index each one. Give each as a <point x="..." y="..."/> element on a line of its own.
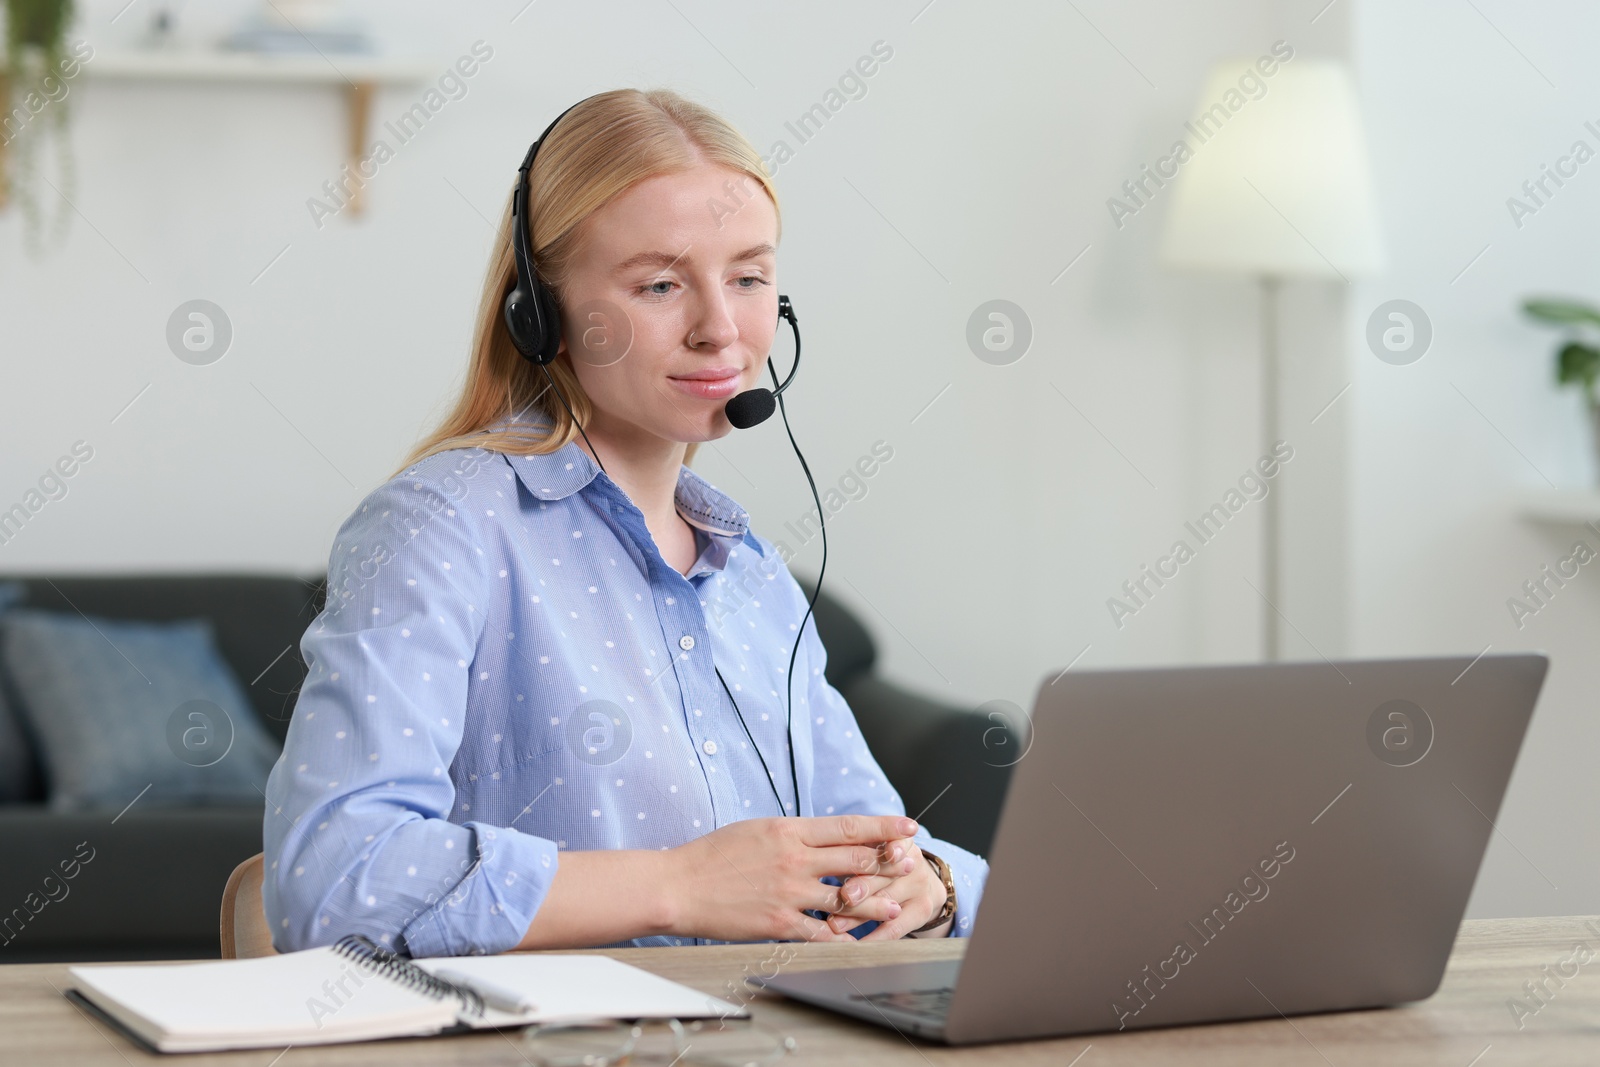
<point x="1194" y="844"/>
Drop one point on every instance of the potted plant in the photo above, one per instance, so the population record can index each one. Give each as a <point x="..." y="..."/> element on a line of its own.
<point x="34" y="98"/>
<point x="1578" y="356"/>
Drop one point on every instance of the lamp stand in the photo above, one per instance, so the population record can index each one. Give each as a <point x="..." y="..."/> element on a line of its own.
<point x="1271" y="515"/>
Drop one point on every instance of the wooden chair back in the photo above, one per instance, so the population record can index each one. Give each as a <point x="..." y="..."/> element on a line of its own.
<point x="245" y="933"/>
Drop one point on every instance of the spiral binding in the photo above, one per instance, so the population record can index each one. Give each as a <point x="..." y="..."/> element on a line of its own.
<point x="398" y="969"/>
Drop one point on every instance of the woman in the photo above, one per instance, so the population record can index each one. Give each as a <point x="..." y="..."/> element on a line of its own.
<point x="543" y="696"/>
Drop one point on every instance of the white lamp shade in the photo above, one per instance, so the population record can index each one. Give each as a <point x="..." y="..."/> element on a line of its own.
<point x="1278" y="181"/>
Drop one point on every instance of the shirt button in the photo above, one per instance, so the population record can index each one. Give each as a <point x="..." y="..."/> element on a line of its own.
<point x="710" y="747"/>
<point x="686" y="642"/>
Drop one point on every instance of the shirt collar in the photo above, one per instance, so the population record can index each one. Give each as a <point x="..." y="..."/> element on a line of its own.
<point x="561" y="473"/>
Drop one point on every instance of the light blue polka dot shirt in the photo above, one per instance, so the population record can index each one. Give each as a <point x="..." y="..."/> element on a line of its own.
<point x="506" y="668"/>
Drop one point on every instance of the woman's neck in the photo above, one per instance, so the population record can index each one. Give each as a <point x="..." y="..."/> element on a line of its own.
<point x="645" y="466"/>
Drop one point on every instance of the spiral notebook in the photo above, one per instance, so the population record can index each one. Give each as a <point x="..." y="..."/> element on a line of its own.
<point x="356" y="991"/>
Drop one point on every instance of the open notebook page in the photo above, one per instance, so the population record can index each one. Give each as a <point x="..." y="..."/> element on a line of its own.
<point x="570" y="987"/>
<point x="316" y="996"/>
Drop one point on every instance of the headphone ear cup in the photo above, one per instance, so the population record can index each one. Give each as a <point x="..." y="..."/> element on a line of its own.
<point x="522" y="322"/>
<point x="549" y="339"/>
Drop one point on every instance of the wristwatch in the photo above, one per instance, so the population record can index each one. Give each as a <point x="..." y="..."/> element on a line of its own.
<point x="949" y="909"/>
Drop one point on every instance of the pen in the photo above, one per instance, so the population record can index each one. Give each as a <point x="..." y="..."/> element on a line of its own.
<point x="495" y="996"/>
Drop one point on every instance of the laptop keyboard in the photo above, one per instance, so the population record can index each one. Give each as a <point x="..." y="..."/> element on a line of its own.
<point x="933" y="1003"/>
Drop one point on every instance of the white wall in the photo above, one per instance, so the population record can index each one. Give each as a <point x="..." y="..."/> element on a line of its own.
<point x="358" y="333"/>
<point x="1458" y="119"/>
<point x="976" y="167"/>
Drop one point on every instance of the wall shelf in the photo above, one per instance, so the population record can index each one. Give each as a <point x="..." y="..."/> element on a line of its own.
<point x="194" y="64"/>
<point x="358" y="75"/>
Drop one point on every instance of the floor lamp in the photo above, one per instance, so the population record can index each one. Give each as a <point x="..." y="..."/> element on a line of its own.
<point x="1274" y="185"/>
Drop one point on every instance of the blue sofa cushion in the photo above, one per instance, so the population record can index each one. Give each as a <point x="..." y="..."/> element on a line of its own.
<point x="117" y="706"/>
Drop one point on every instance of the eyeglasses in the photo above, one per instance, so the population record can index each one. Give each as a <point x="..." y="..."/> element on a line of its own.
<point x="699" y="1042"/>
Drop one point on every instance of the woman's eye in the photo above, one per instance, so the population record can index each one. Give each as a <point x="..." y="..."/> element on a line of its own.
<point x="649" y="288"/>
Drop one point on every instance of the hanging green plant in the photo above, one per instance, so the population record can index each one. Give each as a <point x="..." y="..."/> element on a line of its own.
<point x="33" y="89"/>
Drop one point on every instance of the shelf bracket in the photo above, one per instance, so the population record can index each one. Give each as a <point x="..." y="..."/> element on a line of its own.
<point x="358" y="98"/>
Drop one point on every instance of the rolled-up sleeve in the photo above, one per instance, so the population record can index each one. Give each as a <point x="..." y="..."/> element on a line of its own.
<point x="848" y="780"/>
<point x="356" y="836"/>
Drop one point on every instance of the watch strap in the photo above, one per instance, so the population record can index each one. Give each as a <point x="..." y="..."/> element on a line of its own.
<point x="943" y="870"/>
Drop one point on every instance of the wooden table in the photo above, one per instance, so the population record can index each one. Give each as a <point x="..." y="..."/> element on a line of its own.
<point x="1468" y="1023"/>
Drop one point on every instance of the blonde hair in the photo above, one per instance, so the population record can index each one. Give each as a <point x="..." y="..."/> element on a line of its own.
<point x="603" y="147"/>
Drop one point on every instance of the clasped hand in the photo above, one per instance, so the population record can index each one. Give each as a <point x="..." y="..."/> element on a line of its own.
<point x="909" y="899"/>
<point x="755" y="879"/>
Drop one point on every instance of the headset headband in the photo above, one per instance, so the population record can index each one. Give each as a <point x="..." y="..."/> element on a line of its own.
<point x="519" y="210"/>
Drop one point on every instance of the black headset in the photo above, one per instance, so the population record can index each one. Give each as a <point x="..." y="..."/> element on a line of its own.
<point x="533" y="319"/>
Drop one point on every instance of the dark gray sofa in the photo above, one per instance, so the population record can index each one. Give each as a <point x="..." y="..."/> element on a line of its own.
<point x="154" y="885"/>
